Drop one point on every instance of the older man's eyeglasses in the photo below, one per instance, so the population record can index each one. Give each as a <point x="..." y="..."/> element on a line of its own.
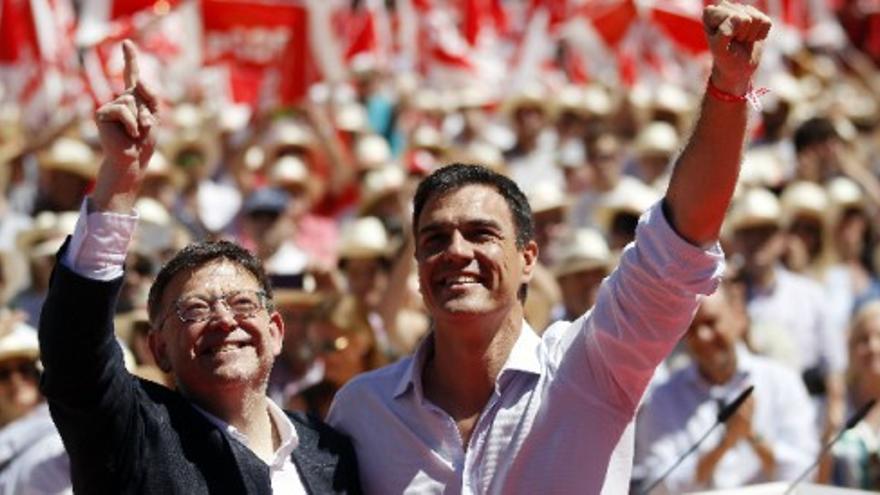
<point x="242" y="304"/>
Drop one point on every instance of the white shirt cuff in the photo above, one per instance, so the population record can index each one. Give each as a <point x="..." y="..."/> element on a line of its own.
<point x="99" y="243"/>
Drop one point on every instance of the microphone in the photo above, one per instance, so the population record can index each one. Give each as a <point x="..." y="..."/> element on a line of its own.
<point x="723" y="415"/>
<point x="850" y="423"/>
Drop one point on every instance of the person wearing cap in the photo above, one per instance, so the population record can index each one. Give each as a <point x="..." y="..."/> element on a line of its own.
<point x="532" y="157"/>
<point x="584" y="261"/>
<point x="68" y="168"/>
<point x="771" y="437"/>
<point x="789" y="312"/>
<point x="804" y="206"/>
<point x="213" y="328"/>
<point x="32" y="456"/>
<point x="485" y="405"/>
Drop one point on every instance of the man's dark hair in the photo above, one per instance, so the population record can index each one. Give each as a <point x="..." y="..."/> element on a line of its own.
<point x="458" y="175"/>
<point x="199" y="254"/>
<point x="814" y="131"/>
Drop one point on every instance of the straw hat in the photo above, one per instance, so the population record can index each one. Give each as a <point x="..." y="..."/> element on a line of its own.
<point x="351" y="117"/>
<point x="584" y="249"/>
<point x="755" y="207"/>
<point x="531" y="95"/>
<point x="234" y="117"/>
<point x="570" y="98"/>
<point x="287" y="133"/>
<point x="481" y="153"/>
<point x="47" y="233"/>
<point x="657" y="138"/>
<point x="19" y="340"/>
<point x="365" y="237"/>
<point x="844" y="192"/>
<point x="379" y="184"/>
<point x="188" y="133"/>
<point x="70" y="155"/>
<point x="428" y="138"/>
<point x="672" y="98"/>
<point x="763" y="167"/>
<point x="803" y="198"/>
<point x="155" y="230"/>
<point x="598" y="101"/>
<point x="629" y="196"/>
<point x="289" y="170"/>
<point x="546" y="196"/>
<point x="372" y="151"/>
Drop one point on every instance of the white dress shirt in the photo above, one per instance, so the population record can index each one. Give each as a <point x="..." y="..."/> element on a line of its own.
<point x="559" y="416"/>
<point x="97" y="250"/>
<point x="684" y="408"/>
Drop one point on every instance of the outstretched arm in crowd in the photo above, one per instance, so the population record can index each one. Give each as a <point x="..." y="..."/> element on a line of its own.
<point x="706" y="172"/>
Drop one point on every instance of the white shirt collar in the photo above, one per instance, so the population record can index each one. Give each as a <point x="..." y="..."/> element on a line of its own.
<point x="523" y="357"/>
<point x="289" y="438"/>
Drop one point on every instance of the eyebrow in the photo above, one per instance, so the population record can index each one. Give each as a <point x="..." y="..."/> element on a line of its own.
<point x="467" y="223"/>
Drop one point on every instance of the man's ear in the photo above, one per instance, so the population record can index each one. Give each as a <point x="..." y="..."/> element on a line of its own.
<point x="156" y="340"/>
<point x="530" y="259"/>
<point x="276" y="332"/>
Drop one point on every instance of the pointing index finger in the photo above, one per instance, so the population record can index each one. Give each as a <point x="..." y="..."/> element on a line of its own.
<point x="130" y="73"/>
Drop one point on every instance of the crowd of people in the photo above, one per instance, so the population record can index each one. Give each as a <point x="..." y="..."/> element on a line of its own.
<point x="323" y="194"/>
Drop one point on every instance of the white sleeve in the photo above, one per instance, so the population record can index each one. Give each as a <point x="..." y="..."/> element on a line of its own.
<point x="99" y="243"/>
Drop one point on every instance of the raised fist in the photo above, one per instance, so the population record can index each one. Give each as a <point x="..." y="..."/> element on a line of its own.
<point x="736" y="33"/>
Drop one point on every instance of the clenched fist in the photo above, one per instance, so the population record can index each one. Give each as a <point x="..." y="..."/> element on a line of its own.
<point x="736" y="33"/>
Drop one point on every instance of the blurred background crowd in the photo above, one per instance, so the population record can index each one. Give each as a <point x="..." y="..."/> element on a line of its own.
<point x="300" y="129"/>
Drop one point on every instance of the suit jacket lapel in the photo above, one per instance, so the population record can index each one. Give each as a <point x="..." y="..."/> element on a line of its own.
<point x="316" y="466"/>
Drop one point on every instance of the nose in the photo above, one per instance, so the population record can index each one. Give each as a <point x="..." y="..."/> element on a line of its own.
<point x="458" y="247"/>
<point x="222" y="314"/>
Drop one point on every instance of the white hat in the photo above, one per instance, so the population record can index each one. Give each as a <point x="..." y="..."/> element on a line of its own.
<point x="19" y="341"/>
<point x="629" y="196"/>
<point x="155" y="231"/>
<point x="803" y="198"/>
<point x="70" y="155"/>
<point x="427" y="137"/>
<point x="755" y="207"/>
<point x="287" y="133"/>
<point x="235" y="117"/>
<point x="546" y="196"/>
<point x="289" y="170"/>
<point x="597" y="100"/>
<point x="844" y="192"/>
<point x="584" y="249"/>
<point x="47" y="233"/>
<point x="351" y="117"/>
<point x="761" y="167"/>
<point x="532" y="94"/>
<point x="365" y="237"/>
<point x="372" y="151"/>
<point x="657" y="138"/>
<point x="379" y="183"/>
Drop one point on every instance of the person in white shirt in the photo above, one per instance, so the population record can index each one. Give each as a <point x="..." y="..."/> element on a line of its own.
<point x="486" y="405"/>
<point x="771" y="437"/>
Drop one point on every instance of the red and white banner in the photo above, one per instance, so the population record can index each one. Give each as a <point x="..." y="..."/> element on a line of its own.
<point x="264" y="45"/>
<point x="38" y="66"/>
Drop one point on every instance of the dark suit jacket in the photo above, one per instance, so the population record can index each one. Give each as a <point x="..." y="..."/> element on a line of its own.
<point x="127" y="435"/>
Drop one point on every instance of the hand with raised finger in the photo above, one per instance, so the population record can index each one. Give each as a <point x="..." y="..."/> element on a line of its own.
<point x="127" y="128"/>
<point x="736" y="34"/>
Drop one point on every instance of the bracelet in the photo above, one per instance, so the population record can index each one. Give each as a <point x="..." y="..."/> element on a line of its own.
<point x="751" y="96"/>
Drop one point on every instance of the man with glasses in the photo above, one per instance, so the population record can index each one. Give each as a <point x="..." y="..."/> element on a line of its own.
<point x="214" y="329"/>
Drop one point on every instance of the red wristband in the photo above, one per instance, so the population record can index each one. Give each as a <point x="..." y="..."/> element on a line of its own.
<point x="751" y="96"/>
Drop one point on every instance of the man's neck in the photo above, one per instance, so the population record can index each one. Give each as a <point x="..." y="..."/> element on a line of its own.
<point x="762" y="279"/>
<point x="460" y="375"/>
<point x="247" y="412"/>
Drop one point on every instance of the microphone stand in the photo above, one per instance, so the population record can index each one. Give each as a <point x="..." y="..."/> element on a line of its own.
<point x="854" y="420"/>
<point x="723" y="416"/>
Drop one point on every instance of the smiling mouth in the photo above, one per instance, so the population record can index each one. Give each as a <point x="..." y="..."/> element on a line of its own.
<point x="460" y="281"/>
<point x="223" y="348"/>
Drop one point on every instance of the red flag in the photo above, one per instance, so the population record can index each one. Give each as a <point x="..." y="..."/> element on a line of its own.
<point x="259" y="41"/>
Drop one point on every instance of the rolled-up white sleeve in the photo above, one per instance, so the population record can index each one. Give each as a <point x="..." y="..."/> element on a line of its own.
<point x="99" y="243"/>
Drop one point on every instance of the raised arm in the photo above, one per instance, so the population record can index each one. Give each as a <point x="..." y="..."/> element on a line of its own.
<point x="127" y="127"/>
<point x="705" y="174"/>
